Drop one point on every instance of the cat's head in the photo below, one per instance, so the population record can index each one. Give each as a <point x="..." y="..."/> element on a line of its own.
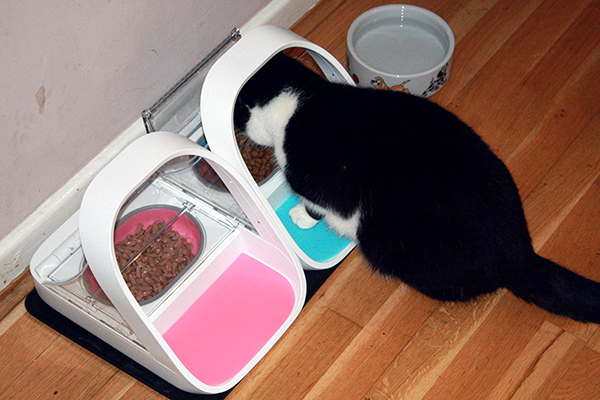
<point x="259" y="91"/>
<point x="270" y="80"/>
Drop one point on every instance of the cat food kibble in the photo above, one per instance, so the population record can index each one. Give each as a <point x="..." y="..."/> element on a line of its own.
<point x="158" y="265"/>
<point x="259" y="160"/>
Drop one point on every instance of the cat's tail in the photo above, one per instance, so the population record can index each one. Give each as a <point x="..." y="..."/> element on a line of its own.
<point x="558" y="290"/>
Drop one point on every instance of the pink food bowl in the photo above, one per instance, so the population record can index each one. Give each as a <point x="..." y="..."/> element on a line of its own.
<point x="186" y="225"/>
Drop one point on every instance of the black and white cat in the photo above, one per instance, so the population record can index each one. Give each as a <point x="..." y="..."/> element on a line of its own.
<point x="425" y="198"/>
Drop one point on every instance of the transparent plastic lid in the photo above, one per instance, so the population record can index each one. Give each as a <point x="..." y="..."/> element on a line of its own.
<point x="169" y="225"/>
<point x="178" y="110"/>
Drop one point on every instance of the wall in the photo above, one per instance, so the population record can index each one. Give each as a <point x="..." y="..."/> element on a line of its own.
<point x="74" y="76"/>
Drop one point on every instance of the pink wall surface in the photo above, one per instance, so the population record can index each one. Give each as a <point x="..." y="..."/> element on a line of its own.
<point x="75" y="75"/>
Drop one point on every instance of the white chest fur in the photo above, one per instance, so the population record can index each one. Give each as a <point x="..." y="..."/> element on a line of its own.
<point x="267" y="123"/>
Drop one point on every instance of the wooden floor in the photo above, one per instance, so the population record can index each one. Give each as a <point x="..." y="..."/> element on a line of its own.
<point x="526" y="76"/>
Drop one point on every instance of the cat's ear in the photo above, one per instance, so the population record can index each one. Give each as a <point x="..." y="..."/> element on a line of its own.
<point x="241" y="114"/>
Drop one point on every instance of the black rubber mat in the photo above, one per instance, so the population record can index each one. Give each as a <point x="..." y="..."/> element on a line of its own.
<point x="42" y="311"/>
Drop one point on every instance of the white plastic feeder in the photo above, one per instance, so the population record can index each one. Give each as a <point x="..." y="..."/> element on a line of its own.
<point x="318" y="247"/>
<point x="223" y="312"/>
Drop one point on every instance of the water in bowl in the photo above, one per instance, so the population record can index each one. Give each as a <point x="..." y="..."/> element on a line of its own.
<point x="401" y="47"/>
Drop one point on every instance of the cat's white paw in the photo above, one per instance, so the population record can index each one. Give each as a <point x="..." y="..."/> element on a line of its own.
<point x="300" y="217"/>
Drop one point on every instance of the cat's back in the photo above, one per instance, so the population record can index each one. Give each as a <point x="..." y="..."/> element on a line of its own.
<point x="387" y="143"/>
<point x="380" y="129"/>
<point x="376" y="138"/>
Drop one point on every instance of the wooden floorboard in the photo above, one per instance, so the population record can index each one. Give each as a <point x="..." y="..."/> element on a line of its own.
<point x="525" y="76"/>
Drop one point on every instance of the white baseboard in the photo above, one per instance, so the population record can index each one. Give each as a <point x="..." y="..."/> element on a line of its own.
<point x="17" y="248"/>
<point x="282" y="13"/>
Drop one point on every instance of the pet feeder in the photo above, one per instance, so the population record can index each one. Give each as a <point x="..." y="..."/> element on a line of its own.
<point x="318" y="247"/>
<point x="223" y="286"/>
<point x="201" y="107"/>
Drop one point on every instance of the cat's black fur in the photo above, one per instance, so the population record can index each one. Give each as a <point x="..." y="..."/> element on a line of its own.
<point x="438" y="209"/>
